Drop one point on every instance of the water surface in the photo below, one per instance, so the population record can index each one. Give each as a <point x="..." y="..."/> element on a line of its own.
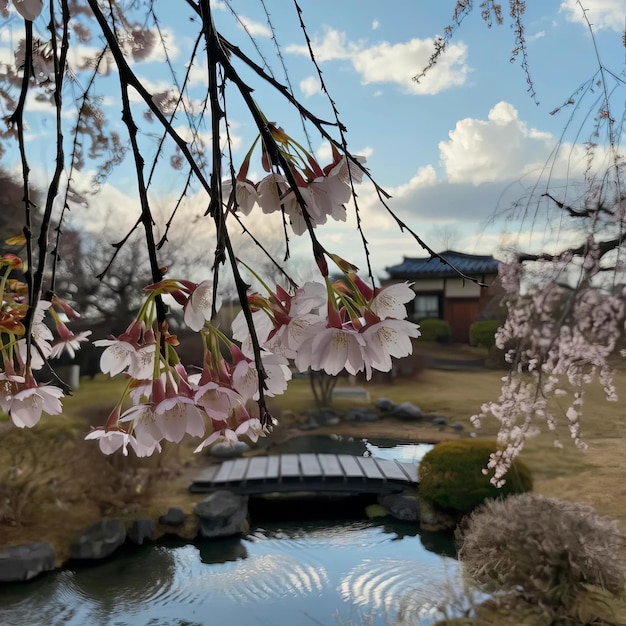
<point x="349" y="572"/>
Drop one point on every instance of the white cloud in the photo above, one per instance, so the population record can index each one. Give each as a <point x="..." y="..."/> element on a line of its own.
<point x="310" y="86"/>
<point x="256" y="29"/>
<point x="497" y="149"/>
<point x="375" y="25"/>
<point x="398" y="63"/>
<point x="393" y="63"/>
<point x="607" y="14"/>
<point x="539" y="35"/>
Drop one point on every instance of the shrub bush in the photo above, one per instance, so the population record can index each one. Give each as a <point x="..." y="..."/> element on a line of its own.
<point x="483" y="334"/>
<point x="451" y="475"/>
<point x="435" y="330"/>
<point x="545" y="553"/>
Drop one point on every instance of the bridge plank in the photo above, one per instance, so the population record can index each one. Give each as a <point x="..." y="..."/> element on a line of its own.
<point x="239" y="469"/>
<point x="350" y="466"/>
<point x="309" y="472"/>
<point x="223" y="475"/>
<point x="289" y="466"/>
<point x="390" y="470"/>
<point x="330" y="465"/>
<point x="410" y="469"/>
<point x="309" y="465"/>
<point x="272" y="471"/>
<point x="256" y="468"/>
<point x="370" y="469"/>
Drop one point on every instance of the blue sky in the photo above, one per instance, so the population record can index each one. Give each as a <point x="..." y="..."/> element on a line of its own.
<point x="452" y="151"/>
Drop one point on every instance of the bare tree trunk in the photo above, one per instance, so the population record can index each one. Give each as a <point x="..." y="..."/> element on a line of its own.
<point x="322" y="385"/>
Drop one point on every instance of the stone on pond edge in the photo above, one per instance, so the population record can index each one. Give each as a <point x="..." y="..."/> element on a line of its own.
<point x="23" y="562"/>
<point x="221" y="514"/>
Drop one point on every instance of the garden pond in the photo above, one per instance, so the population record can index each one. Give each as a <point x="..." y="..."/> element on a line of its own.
<point x="337" y="569"/>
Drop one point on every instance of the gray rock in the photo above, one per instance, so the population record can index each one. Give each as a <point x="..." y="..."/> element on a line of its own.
<point x="361" y="415"/>
<point x="173" y="517"/>
<point x="439" y="420"/>
<point x="223" y="513"/>
<point x="457" y="427"/>
<point x="385" y="404"/>
<point x="324" y="417"/>
<point x="99" y="540"/>
<point x="26" y="561"/>
<point x="403" y="507"/>
<point x="310" y="424"/>
<point x="140" y="531"/>
<point x="433" y="518"/>
<point x="223" y="451"/>
<point x="407" y="411"/>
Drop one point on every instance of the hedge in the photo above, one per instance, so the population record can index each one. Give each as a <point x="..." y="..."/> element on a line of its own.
<point x="435" y="330"/>
<point x="484" y="333"/>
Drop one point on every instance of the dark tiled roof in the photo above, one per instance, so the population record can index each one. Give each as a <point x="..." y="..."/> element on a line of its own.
<point x="426" y="267"/>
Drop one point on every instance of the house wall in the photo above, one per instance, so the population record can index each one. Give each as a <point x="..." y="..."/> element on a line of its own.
<point x="428" y="284"/>
<point x="458" y="288"/>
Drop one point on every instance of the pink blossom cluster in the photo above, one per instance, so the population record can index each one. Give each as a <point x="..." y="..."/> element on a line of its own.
<point x="166" y="403"/>
<point x="332" y="327"/>
<point x="323" y="190"/>
<point x="558" y="341"/>
<point x="346" y="325"/>
<point x="22" y="396"/>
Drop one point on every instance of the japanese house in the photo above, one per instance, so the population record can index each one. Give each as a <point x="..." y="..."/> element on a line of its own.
<point x="442" y="293"/>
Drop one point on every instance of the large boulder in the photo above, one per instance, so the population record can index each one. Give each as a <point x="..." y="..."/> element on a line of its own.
<point x="407" y="411"/>
<point x="385" y="405"/>
<point x="223" y="513"/>
<point x="225" y="451"/>
<point x="173" y="517"/>
<point x="402" y="506"/>
<point x="141" y="530"/>
<point x="26" y="561"/>
<point x="99" y="540"/>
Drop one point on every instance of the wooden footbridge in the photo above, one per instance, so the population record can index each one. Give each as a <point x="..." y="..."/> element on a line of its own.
<point x="309" y="473"/>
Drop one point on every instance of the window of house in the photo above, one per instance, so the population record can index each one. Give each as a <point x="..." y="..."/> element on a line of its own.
<point x="425" y="306"/>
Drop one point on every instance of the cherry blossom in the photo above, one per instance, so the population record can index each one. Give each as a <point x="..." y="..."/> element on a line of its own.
<point x="217" y="400"/>
<point x="389" y="301"/>
<point x="177" y="416"/>
<point x="199" y="307"/>
<point x="109" y="441"/>
<point x="31" y="401"/>
<point x="28" y="9"/>
<point x="246" y="194"/>
<point x="69" y="342"/>
<point x="246" y="378"/>
<point x="117" y="356"/>
<point x="331" y="349"/>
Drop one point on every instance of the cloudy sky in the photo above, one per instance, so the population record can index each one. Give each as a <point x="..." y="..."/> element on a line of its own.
<point x="454" y="150"/>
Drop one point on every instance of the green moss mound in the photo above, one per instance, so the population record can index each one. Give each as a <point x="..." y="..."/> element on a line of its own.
<point x="435" y="330"/>
<point x="451" y="475"/>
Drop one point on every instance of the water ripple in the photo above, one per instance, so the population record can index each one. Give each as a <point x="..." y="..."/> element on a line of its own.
<point x="400" y="587"/>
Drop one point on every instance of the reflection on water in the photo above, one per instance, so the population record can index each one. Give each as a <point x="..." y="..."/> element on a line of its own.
<point x="390" y="449"/>
<point x="280" y="575"/>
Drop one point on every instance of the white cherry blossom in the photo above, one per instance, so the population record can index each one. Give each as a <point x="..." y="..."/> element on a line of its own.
<point x="28" y="404"/>
<point x="199" y="307"/>
<point x="117" y="356"/>
<point x="389" y="301"/>
<point x="177" y="416"/>
<point x="246" y="377"/>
